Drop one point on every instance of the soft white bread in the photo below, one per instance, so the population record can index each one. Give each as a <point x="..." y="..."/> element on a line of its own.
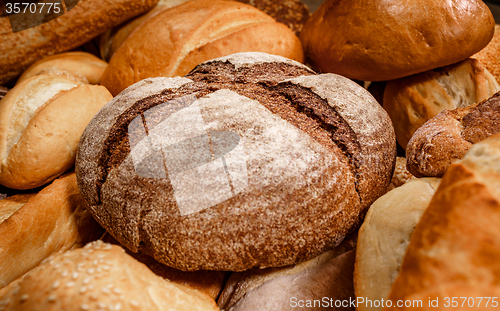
<point x="79" y="63"/>
<point x="373" y="40"/>
<point x="411" y="101"/>
<point x="184" y="36"/>
<point x="384" y="237"/>
<point x="89" y="18"/>
<point x="278" y="289"/>
<point x="455" y="248"/>
<point x="41" y="121"/>
<point x="99" y="276"/>
<point x="35" y="226"/>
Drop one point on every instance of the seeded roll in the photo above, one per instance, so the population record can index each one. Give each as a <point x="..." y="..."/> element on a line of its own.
<point x="251" y="160"/>
<point x="99" y="276"/>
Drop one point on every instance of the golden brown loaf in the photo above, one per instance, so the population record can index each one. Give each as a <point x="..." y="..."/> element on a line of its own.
<point x="86" y="20"/>
<point x="112" y="39"/>
<point x="99" y="276"/>
<point x="413" y="100"/>
<point x="292" y="13"/>
<point x="41" y="121"/>
<point x="384" y="237"/>
<point x="447" y="137"/>
<point x="79" y="63"/>
<point x="490" y="55"/>
<point x="297" y="159"/>
<point x="455" y="248"/>
<point x="370" y="40"/>
<point x="180" y="38"/>
<point x="35" y="226"/>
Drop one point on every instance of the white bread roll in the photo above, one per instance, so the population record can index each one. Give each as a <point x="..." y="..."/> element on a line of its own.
<point x="41" y="121"/>
<point x="384" y="237"/>
<point x="79" y="63"/>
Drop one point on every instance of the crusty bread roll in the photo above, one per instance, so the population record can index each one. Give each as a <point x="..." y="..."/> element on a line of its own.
<point x="292" y="13"/>
<point x="35" y="226"/>
<point x="413" y="100"/>
<point x="295" y="287"/>
<point x="370" y="40"/>
<point x="490" y="55"/>
<point x="41" y="121"/>
<point x="455" y="248"/>
<point x="86" y="20"/>
<point x="205" y="281"/>
<point x="384" y="237"/>
<point x="447" y="137"/>
<point x="99" y="276"/>
<point x="80" y="63"/>
<point x="112" y="39"/>
<point x="181" y="37"/>
<point x="297" y="159"/>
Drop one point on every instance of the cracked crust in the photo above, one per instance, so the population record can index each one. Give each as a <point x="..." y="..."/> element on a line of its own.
<point x="447" y="137"/>
<point x="308" y="165"/>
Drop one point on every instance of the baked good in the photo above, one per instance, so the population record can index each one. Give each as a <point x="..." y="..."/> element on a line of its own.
<point x="413" y="100"/>
<point x="447" y="137"/>
<point x="99" y="276"/>
<point x="78" y="63"/>
<point x="301" y="152"/>
<point x="205" y="281"/>
<point x="215" y="28"/>
<point x="327" y="275"/>
<point x="292" y="13"/>
<point x="37" y="225"/>
<point x="384" y="237"/>
<point x="89" y="18"/>
<point x="454" y="250"/>
<point x="113" y="38"/>
<point x="372" y="41"/>
<point x="489" y="56"/>
<point x="401" y="174"/>
<point x="41" y="120"/>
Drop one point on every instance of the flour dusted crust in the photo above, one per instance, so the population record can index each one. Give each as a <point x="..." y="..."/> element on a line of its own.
<point x="300" y="172"/>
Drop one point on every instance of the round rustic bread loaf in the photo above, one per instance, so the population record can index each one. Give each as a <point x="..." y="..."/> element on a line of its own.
<point x="174" y="41"/>
<point x="372" y="40"/>
<point x="251" y="160"/>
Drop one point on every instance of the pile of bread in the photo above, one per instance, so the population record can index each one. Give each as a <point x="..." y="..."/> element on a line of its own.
<point x="250" y="155"/>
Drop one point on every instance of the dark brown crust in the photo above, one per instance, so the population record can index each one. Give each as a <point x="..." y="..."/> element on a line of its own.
<point x="280" y="224"/>
<point x="447" y="137"/>
<point x="293" y="13"/>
